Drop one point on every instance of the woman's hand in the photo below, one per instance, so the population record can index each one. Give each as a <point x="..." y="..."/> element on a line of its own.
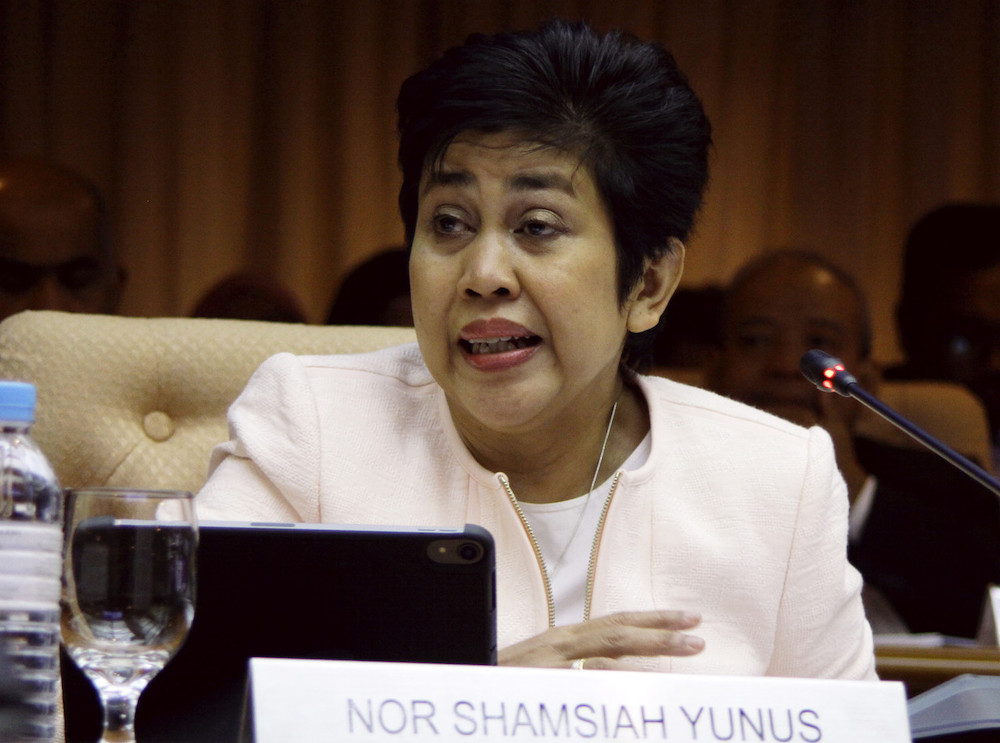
<point x="599" y="643"/>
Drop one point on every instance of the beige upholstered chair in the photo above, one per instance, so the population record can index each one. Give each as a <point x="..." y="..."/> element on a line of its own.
<point x="141" y="401"/>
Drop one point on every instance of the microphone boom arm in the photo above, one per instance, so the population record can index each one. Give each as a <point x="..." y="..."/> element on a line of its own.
<point x="829" y="375"/>
<point x="967" y="466"/>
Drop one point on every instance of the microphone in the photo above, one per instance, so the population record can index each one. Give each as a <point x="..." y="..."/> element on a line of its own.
<point x="828" y="374"/>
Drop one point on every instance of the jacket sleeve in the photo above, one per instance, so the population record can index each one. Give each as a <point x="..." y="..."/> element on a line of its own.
<point x="822" y="629"/>
<point x="269" y="469"/>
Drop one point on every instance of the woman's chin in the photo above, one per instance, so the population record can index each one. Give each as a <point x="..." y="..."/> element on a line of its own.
<point x="512" y="408"/>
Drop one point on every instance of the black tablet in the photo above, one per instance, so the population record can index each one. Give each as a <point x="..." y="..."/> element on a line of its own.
<point x="308" y="591"/>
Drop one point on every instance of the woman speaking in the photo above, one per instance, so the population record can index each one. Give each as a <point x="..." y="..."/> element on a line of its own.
<point x="550" y="180"/>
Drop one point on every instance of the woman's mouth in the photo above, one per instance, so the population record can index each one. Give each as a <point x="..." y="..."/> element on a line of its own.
<point x="497" y="344"/>
<point x="477" y="346"/>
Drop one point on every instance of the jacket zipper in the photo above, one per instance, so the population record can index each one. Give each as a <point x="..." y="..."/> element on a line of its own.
<point x="549" y="600"/>
<point x="591" y="567"/>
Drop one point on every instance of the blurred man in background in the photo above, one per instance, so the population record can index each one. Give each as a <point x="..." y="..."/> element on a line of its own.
<point x="375" y="292"/>
<point x="55" y="247"/>
<point x="925" y="537"/>
<point x="250" y="295"/>
<point x="776" y="308"/>
<point x="949" y="309"/>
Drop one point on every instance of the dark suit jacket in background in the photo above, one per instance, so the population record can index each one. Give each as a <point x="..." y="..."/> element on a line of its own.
<point x="931" y="543"/>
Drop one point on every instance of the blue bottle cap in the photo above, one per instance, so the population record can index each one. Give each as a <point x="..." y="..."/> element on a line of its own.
<point x="17" y="401"/>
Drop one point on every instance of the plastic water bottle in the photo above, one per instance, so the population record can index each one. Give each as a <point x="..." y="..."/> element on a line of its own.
<point x="30" y="569"/>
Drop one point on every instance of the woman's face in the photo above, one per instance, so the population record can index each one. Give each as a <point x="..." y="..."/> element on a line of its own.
<point x="513" y="279"/>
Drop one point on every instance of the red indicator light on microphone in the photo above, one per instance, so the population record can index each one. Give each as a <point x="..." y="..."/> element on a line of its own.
<point x="827" y="373"/>
<point x="830" y="374"/>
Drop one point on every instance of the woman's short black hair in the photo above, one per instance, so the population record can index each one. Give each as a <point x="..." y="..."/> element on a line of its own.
<point x="621" y="104"/>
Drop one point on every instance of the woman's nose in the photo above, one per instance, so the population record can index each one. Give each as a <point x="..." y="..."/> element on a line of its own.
<point x="489" y="272"/>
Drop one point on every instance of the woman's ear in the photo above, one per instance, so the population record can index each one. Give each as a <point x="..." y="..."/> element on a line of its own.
<point x="657" y="284"/>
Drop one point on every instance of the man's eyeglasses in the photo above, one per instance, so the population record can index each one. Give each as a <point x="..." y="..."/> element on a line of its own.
<point x="972" y="340"/>
<point x="17" y="277"/>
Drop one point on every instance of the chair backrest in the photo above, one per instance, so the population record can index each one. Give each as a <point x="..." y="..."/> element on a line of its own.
<point x="140" y="402"/>
<point x="947" y="410"/>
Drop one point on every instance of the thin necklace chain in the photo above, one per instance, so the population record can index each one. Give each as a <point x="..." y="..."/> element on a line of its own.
<point x="583" y="511"/>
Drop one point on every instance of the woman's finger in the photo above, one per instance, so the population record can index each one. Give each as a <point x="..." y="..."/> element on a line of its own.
<point x="608" y="638"/>
<point x="633" y="633"/>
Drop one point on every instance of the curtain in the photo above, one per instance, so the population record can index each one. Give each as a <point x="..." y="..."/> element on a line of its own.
<point x="260" y="133"/>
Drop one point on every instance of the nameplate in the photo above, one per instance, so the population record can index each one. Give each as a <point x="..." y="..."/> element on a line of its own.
<point x="350" y="702"/>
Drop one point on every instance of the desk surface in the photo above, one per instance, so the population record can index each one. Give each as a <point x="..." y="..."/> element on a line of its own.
<point x="922" y="668"/>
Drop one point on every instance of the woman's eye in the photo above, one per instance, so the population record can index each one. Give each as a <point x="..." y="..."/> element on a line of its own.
<point x="538" y="228"/>
<point x="447" y="224"/>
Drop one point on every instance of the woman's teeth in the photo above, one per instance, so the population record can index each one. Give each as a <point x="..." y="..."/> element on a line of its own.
<point x="498" y="345"/>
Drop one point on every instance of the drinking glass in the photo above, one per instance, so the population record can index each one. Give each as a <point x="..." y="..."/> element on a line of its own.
<point x="128" y="591"/>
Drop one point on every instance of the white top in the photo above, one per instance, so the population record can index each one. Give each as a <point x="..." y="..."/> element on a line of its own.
<point x="565" y="534"/>
<point x="858" y="515"/>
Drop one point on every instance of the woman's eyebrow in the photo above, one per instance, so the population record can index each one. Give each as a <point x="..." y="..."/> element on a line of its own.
<point x="438" y="177"/>
<point x="540" y="181"/>
<point x="530" y="181"/>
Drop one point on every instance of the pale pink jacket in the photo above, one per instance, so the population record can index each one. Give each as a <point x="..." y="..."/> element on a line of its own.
<point x="736" y="514"/>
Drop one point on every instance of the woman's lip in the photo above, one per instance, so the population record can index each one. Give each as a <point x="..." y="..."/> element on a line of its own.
<point x="494" y="327"/>
<point x="500" y="361"/>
